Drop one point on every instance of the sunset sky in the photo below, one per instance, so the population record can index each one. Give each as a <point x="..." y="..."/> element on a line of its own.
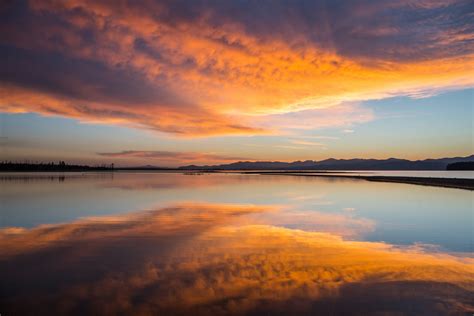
<point x="201" y="82"/>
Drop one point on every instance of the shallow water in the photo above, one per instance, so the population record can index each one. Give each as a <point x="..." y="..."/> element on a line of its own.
<point x="170" y="243"/>
<point x="465" y="174"/>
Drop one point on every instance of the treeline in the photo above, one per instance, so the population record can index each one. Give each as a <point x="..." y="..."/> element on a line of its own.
<point x="466" y="165"/>
<point x="50" y="166"/>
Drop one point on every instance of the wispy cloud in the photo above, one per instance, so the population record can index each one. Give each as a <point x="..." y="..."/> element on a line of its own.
<point x="306" y="143"/>
<point x="336" y="116"/>
<point x="291" y="147"/>
<point x="180" y="157"/>
<point x="320" y="137"/>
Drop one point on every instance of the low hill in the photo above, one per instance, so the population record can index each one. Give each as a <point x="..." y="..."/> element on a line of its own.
<point x="339" y="164"/>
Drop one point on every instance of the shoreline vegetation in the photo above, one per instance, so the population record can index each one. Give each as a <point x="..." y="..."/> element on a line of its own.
<point x="61" y="166"/>
<point x="457" y="183"/>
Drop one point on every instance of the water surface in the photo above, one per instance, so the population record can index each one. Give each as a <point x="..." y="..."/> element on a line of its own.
<point x="171" y="243"/>
<point x="465" y="174"/>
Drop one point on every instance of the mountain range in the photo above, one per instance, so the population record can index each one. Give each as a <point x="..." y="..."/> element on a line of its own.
<point x="338" y="164"/>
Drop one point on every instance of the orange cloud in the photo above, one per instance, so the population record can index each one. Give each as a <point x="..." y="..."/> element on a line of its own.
<point x="198" y="68"/>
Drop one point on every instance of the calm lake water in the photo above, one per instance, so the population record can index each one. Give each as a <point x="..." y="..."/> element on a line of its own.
<point x="467" y="174"/>
<point x="170" y="243"/>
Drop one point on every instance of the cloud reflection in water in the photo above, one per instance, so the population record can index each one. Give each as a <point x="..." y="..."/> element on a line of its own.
<point x="209" y="259"/>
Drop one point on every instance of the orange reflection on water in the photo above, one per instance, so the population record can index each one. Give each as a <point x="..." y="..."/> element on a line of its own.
<point x="192" y="259"/>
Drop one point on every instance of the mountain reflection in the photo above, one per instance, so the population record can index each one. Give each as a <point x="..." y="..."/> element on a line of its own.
<point x="205" y="259"/>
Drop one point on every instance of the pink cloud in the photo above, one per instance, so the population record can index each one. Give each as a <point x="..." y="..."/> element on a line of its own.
<point x="165" y="156"/>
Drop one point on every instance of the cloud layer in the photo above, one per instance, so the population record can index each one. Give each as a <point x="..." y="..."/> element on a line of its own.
<point x="212" y="68"/>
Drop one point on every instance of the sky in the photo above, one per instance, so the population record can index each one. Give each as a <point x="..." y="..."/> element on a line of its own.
<point x="201" y="82"/>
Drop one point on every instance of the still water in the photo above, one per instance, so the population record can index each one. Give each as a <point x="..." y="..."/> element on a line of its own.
<point x="465" y="174"/>
<point x="169" y="243"/>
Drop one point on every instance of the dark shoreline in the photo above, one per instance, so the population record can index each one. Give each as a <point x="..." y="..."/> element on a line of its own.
<point x="455" y="183"/>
